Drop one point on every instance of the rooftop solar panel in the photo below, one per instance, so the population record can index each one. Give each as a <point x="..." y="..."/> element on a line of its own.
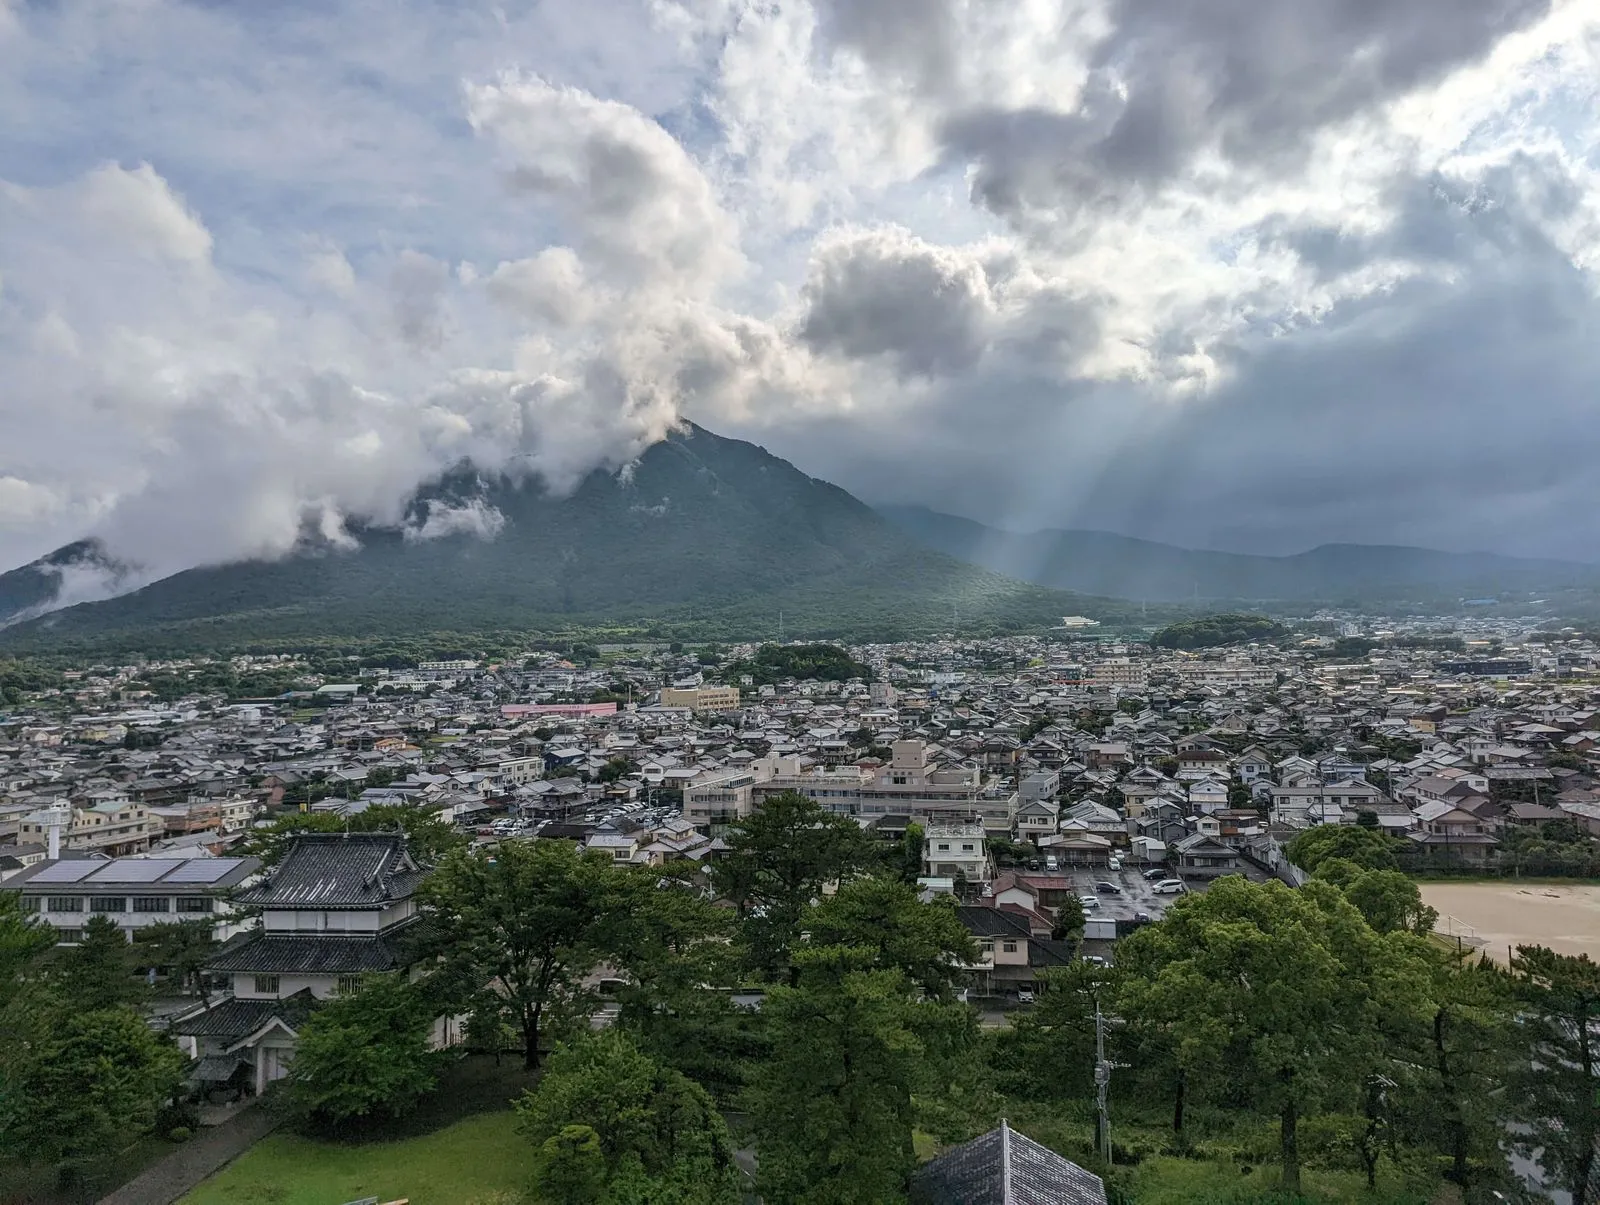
<point x="203" y="870"/>
<point x="66" y="872"/>
<point x="134" y="870"/>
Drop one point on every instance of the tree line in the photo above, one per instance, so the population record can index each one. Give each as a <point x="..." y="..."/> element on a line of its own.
<point x="810" y="994"/>
<point x="1326" y="1015"/>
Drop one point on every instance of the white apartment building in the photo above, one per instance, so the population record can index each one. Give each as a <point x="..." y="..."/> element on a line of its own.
<point x="912" y="785"/>
<point x="1120" y="671"/>
<point x="950" y="850"/>
<point x="136" y="893"/>
<point x="1228" y="673"/>
<point x="516" y="771"/>
<point x="713" y="801"/>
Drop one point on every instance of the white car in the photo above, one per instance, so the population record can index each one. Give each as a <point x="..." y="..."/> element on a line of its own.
<point x="1169" y="887"/>
<point x="1113" y="863"/>
<point x="1025" y="995"/>
<point x="1089" y="902"/>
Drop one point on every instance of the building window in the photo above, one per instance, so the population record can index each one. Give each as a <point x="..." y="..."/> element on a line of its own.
<point x="266" y="985"/>
<point x="64" y="903"/>
<point x="69" y="936"/>
<point x="30" y="903"/>
<point x="944" y="848"/>
<point x="348" y="985"/>
<point x="194" y="903"/>
<point x="151" y="903"/>
<point x="966" y="849"/>
<point x="1009" y="947"/>
<point x="108" y="903"/>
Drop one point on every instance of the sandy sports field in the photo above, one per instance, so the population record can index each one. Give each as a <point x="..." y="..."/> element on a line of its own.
<point x="1493" y="916"/>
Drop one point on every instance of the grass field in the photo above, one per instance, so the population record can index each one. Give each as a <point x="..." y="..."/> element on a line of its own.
<point x="478" y="1161"/>
<point x="1166" y="1181"/>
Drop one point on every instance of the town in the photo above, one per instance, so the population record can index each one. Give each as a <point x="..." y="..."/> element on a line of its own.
<point x="1058" y="794"/>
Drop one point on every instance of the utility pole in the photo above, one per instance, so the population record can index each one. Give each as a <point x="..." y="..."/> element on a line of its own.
<point x="1102" y="1081"/>
<point x="780" y="627"/>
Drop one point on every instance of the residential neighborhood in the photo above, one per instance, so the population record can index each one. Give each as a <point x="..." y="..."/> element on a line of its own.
<point x="1058" y="796"/>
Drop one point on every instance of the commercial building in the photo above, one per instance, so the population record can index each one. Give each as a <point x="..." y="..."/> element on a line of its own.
<point x="702" y="698"/>
<point x="136" y="893"/>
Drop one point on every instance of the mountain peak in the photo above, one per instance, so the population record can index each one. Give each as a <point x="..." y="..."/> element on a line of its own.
<point x="699" y="527"/>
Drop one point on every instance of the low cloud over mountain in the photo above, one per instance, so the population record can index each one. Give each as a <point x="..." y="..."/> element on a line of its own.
<point x="1208" y="273"/>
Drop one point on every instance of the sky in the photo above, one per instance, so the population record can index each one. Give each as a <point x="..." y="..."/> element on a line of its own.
<point x="1232" y="275"/>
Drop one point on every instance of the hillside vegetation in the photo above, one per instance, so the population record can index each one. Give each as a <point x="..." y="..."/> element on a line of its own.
<point x="1213" y="631"/>
<point x="707" y="537"/>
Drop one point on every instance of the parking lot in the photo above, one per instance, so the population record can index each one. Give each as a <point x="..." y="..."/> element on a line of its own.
<point x="1138" y="894"/>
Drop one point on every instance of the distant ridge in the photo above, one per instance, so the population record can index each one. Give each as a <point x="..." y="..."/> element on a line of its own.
<point x="1097" y="562"/>
<point x="704" y="529"/>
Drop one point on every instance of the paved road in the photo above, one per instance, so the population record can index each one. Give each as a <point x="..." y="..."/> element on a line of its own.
<point x="211" y="1149"/>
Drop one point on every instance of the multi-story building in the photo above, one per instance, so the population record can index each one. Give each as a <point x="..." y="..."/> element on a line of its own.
<point x="515" y="771"/>
<point x="116" y="828"/>
<point x="956" y="850"/>
<point x="1122" y="672"/>
<point x="713" y="801"/>
<point x="912" y="787"/>
<point x="136" y="893"/>
<point x="702" y="698"/>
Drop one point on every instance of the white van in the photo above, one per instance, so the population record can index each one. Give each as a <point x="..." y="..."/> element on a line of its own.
<point x="1169" y="887"/>
<point x="1050" y="863"/>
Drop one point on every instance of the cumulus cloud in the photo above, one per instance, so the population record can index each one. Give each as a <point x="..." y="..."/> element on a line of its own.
<point x="888" y="293"/>
<point x="1153" y="267"/>
<point x="642" y="209"/>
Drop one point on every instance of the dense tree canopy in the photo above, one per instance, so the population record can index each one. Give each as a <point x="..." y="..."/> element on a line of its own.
<point x="1556" y="1093"/>
<point x="925" y="942"/>
<point x="834" y="1105"/>
<point x="1212" y="631"/>
<point x="1367" y="848"/>
<point x="774" y="662"/>
<point x="777" y="863"/>
<point x="649" y="1123"/>
<point x="1277" y="994"/>
<point x="531" y="921"/>
<point x="365" y="1054"/>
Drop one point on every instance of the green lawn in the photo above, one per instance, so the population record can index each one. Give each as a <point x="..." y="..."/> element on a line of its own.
<point x="479" y="1161"/>
<point x="1167" y="1181"/>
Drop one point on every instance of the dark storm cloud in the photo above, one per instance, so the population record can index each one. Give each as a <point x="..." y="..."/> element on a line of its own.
<point x="885" y="293"/>
<point x="1254" y="80"/>
<point x="1460" y="410"/>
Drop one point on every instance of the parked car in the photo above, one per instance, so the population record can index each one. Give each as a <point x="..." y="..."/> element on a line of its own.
<point x="1142" y="918"/>
<point x="1094" y="960"/>
<point x="1170" y="887"/>
<point x="1089" y="902"/>
<point x="1113" y="863"/>
<point x="1025" y="995"/>
<point x="1105" y="888"/>
<point x="1160" y="872"/>
<point x="1050" y="863"/>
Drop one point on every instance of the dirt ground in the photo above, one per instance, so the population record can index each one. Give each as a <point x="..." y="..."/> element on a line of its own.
<point x="1495" y="916"/>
